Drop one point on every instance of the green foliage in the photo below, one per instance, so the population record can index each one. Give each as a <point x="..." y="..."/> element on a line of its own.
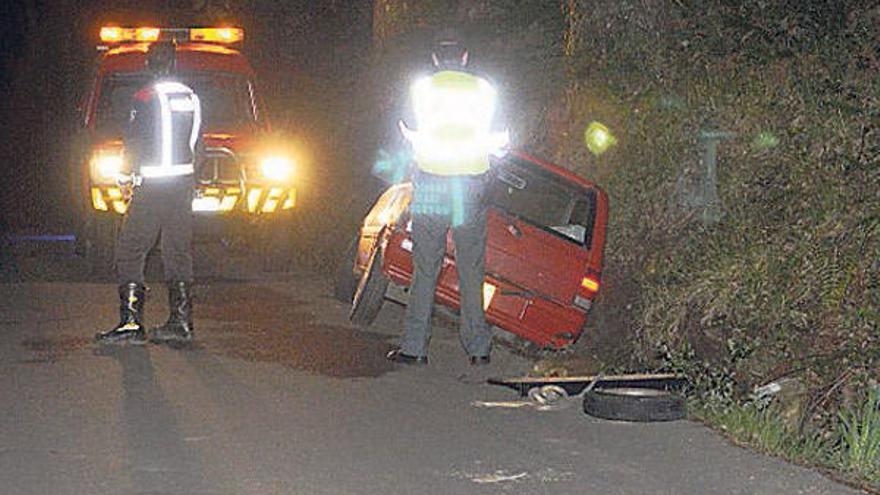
<point x="787" y="283"/>
<point x="854" y="446"/>
<point x="712" y="383"/>
<point x="792" y="267"/>
<point x="860" y="437"/>
<point x="762" y="428"/>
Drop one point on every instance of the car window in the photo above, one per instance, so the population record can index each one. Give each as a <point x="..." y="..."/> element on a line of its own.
<point x="225" y="100"/>
<point x="543" y="199"/>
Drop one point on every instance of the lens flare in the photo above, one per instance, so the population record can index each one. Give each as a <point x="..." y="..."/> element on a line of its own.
<point x="598" y="138"/>
<point x="276" y="168"/>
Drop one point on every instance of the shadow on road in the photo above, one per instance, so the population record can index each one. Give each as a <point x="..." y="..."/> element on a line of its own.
<point x="160" y="462"/>
<point x="262" y="325"/>
<point x="34" y="259"/>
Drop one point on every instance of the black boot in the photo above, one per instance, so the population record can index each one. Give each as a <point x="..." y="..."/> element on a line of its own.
<point x="131" y="309"/>
<point x="179" y="327"/>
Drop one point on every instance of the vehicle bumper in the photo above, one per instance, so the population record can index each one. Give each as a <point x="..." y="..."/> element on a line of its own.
<point x="545" y="322"/>
<point x="212" y="200"/>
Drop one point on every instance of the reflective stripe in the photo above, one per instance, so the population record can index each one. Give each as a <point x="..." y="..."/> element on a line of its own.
<point x="185" y="102"/>
<point x="167" y="171"/>
<point x="197" y="122"/>
<point x="182" y="105"/>
<point x="165" y="113"/>
<point x="172" y="87"/>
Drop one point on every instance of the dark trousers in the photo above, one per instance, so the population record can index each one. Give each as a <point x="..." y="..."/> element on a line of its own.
<point x="440" y="204"/>
<point x="158" y="207"/>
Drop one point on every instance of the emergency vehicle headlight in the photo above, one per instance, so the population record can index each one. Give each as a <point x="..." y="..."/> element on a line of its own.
<point x="276" y="168"/>
<point x="217" y="35"/>
<point x="107" y="165"/>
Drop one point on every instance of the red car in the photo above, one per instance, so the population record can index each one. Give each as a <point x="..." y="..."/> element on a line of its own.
<point x="243" y="178"/>
<point x="546" y="234"/>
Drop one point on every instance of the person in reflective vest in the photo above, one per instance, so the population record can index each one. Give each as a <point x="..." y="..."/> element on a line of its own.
<point x="162" y="141"/>
<point x="454" y="111"/>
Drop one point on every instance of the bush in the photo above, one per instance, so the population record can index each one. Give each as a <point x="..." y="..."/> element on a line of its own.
<point x="791" y="268"/>
<point x="860" y="437"/>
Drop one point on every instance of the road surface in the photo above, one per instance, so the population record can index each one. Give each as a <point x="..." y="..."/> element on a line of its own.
<point x="280" y="395"/>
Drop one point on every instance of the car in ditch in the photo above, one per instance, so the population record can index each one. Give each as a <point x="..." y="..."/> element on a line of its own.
<point x="244" y="184"/>
<point x="544" y="253"/>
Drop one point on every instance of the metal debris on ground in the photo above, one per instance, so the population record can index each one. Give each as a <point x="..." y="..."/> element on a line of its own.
<point x="545" y="398"/>
<point x="499" y="477"/>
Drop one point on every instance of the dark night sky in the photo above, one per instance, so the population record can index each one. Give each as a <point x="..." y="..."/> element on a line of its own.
<point x="11" y="35"/>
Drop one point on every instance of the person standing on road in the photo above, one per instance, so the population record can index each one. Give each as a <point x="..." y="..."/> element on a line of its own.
<point x="454" y="112"/>
<point x="161" y="143"/>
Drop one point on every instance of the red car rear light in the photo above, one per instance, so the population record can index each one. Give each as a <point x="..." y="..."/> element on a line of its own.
<point x="591" y="284"/>
<point x="589" y="288"/>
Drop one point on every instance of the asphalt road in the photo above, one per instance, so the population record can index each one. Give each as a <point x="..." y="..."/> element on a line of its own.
<point x="280" y="395"/>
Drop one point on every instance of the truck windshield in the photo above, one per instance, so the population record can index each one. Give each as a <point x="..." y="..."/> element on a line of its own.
<point x="225" y="99"/>
<point x="543" y="199"/>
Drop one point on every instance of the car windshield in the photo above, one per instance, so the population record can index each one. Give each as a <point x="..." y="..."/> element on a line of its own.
<point x="543" y="199"/>
<point x="225" y="100"/>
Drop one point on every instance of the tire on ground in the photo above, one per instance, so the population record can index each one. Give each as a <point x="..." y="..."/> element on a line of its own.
<point x="346" y="280"/>
<point x="634" y="404"/>
<point x="370" y="293"/>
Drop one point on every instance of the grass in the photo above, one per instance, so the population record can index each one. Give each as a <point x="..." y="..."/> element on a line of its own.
<point x="859" y="434"/>
<point x="853" y="448"/>
<point x="764" y="430"/>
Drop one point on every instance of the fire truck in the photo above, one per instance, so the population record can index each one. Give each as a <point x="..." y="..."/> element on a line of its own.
<point x="245" y="180"/>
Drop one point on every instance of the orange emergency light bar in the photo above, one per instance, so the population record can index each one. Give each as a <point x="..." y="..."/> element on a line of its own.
<point x="224" y="35"/>
<point x="217" y="35"/>
<point x="113" y="34"/>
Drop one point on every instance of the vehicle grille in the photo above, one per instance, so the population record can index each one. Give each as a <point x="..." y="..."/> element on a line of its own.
<point x="219" y="166"/>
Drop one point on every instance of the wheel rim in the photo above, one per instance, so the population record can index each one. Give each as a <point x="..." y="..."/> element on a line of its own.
<point x="634" y="392"/>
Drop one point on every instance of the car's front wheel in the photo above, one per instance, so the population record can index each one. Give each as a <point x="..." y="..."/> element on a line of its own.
<point x="346" y="280"/>
<point x="370" y="293"/>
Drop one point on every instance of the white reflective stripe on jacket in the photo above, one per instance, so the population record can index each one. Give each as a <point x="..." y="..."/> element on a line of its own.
<point x="174" y="97"/>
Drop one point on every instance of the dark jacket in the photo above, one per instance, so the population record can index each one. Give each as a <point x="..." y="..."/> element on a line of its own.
<point x="161" y="104"/>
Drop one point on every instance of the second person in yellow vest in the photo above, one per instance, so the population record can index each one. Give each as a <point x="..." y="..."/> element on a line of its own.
<point x="454" y="111"/>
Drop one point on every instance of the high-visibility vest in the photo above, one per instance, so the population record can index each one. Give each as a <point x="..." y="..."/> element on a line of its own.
<point x="454" y="112"/>
<point x="169" y="150"/>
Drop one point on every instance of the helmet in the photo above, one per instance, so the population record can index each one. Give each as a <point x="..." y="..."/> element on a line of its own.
<point x="160" y="59"/>
<point x="449" y="53"/>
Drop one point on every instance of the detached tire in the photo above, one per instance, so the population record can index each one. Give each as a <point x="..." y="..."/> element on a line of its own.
<point x="634" y="404"/>
<point x="346" y="280"/>
<point x="370" y="293"/>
